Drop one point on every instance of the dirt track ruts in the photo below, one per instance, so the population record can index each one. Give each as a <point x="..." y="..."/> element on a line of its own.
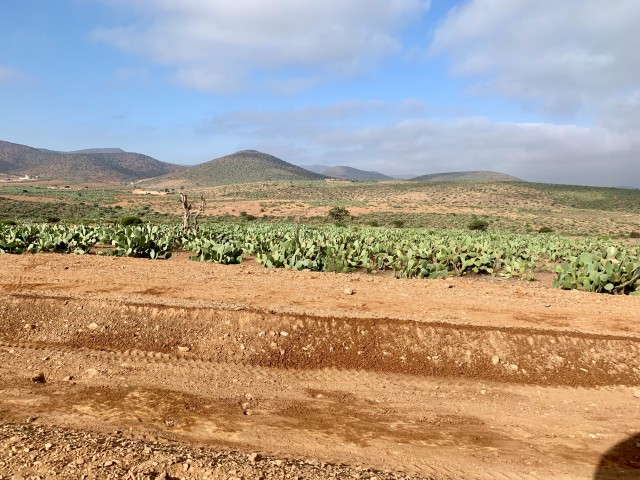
<point x="426" y="396"/>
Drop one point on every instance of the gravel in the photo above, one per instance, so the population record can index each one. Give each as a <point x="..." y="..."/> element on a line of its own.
<point x="38" y="452"/>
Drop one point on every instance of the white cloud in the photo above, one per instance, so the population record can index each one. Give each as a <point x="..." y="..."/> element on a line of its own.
<point x="129" y="74"/>
<point x="220" y="45"/>
<point x="8" y="74"/>
<point x="566" y="56"/>
<point x="334" y="135"/>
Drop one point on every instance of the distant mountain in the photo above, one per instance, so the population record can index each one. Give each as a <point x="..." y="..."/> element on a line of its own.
<point x="317" y="168"/>
<point x="246" y="166"/>
<point x="99" y="150"/>
<point x="405" y="176"/>
<point x="349" y="173"/>
<point x="471" y="176"/>
<point x="95" y="165"/>
<point x="86" y="150"/>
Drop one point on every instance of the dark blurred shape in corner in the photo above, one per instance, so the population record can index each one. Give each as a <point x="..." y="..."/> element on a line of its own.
<point x="621" y="462"/>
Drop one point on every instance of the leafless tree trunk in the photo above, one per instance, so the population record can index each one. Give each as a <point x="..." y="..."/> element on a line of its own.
<point x="200" y="210"/>
<point x="186" y="207"/>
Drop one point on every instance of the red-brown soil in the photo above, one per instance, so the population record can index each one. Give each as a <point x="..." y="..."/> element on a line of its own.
<point x="321" y="375"/>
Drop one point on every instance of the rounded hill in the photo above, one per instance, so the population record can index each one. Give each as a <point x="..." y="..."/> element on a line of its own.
<point x="470" y="176"/>
<point x="246" y="166"/>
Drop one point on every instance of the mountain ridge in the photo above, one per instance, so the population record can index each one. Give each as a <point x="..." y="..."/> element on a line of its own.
<point x="466" y="176"/>
<point x="96" y="165"/>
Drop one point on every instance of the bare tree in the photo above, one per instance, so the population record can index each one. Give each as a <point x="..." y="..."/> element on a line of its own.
<point x="200" y="210"/>
<point x="186" y="215"/>
<point x="186" y="207"/>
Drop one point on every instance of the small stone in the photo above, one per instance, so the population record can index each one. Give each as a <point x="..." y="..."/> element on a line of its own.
<point x="183" y="349"/>
<point x="185" y="467"/>
<point x="79" y="461"/>
<point x="495" y="359"/>
<point x="108" y="463"/>
<point x="636" y="392"/>
<point x="91" y="372"/>
<point x="284" y="334"/>
<point x="93" y="326"/>
<point x="278" y="462"/>
<point x="349" y="291"/>
<point x="39" y="378"/>
<point x="162" y="476"/>
<point x="31" y="419"/>
<point x="253" y="457"/>
<point x="68" y="378"/>
<point x="48" y="446"/>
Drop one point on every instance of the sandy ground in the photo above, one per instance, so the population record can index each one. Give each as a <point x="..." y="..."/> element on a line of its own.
<point x="186" y="370"/>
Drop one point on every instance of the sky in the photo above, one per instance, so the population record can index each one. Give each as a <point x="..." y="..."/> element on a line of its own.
<point x="547" y="91"/>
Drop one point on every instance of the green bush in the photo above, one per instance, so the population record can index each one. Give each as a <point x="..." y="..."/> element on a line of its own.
<point x="398" y="223"/>
<point x="339" y="214"/>
<point x="7" y="222"/>
<point x="53" y="219"/>
<point x="545" y="230"/>
<point x="634" y="235"/>
<point x="481" y="225"/>
<point x="131" y="220"/>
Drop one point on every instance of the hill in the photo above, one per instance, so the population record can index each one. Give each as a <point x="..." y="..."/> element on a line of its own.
<point x="315" y="168"/>
<point x="246" y="166"/>
<point x="95" y="165"/>
<point x="470" y="176"/>
<point x="347" y="173"/>
<point x="350" y="173"/>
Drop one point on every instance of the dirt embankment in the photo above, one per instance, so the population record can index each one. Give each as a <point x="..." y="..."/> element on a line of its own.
<point x="192" y="370"/>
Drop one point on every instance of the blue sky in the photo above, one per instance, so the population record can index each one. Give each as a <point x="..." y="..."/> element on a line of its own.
<point x="547" y="91"/>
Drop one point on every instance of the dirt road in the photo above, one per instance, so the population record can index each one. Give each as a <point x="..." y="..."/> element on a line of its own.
<point x="187" y="370"/>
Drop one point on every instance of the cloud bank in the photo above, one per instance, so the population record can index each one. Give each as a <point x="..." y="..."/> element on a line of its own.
<point x="566" y="56"/>
<point x="222" y="46"/>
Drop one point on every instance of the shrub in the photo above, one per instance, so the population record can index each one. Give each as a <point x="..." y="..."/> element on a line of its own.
<point x="126" y="221"/>
<point x="481" y="225"/>
<point x="7" y="222"/>
<point x="339" y="214"/>
<point x="634" y="235"/>
<point x="53" y="219"/>
<point x="374" y="223"/>
<point x="545" y="230"/>
<point x="398" y="223"/>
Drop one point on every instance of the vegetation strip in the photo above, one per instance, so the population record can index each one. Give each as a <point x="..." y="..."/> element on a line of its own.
<point x="589" y="264"/>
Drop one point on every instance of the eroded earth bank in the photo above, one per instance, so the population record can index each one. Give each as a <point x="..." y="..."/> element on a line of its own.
<point x="128" y="368"/>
